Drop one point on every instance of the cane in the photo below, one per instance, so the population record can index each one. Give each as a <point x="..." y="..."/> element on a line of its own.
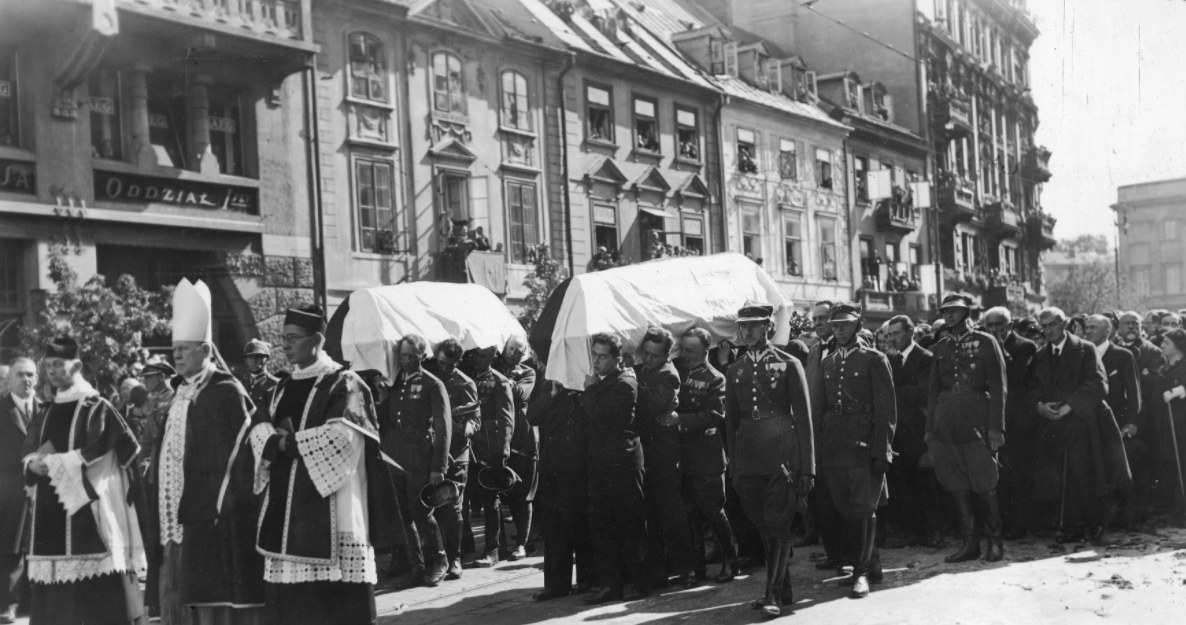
<point x="1169" y="409"/>
<point x="1062" y="493"/>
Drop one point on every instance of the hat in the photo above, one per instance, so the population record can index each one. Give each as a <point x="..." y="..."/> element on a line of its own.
<point x="1178" y="336"/>
<point x="1026" y="325"/>
<point x="256" y="347"/>
<point x="754" y="311"/>
<point x="500" y="479"/>
<point x="845" y="312"/>
<point x="309" y="317"/>
<point x="191" y="312"/>
<point x="444" y="494"/>
<point x="62" y="347"/>
<point x="955" y="300"/>
<point x="158" y="368"/>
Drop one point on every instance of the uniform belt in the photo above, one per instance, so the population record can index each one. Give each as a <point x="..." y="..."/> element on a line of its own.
<point x="846" y="408"/>
<point x="757" y="415"/>
<point x="965" y="389"/>
<point x="410" y="428"/>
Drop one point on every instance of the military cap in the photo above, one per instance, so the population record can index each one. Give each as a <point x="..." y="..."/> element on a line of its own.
<point x="62" y="347"/>
<point x="956" y="300"/>
<point x="754" y="311"/>
<point x="444" y="494"/>
<point x="1022" y="326"/>
<point x="256" y="347"/>
<point x="309" y="317"/>
<point x="845" y="312"/>
<point x="158" y="368"/>
<point x="500" y="479"/>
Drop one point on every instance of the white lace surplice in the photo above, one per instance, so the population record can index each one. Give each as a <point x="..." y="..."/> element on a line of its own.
<point x="172" y="468"/>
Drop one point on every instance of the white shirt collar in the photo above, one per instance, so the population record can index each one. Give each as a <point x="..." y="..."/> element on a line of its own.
<point x="906" y="352"/>
<point x="1100" y="349"/>
<point x="1063" y="343"/>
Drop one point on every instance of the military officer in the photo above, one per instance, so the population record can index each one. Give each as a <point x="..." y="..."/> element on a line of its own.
<point x="258" y="381"/>
<point x="524" y="459"/>
<point x="768" y="423"/>
<point x="701" y="415"/>
<point x="966" y="424"/>
<point x="492" y="444"/>
<point x="854" y="398"/>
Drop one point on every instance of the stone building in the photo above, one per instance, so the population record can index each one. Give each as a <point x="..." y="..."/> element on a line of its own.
<point x="161" y="140"/>
<point x="1152" y="251"/>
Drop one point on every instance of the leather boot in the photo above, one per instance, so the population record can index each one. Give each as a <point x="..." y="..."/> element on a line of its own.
<point x="992" y="527"/>
<point x="729" y="563"/>
<point x="771" y="564"/>
<point x="867" y="533"/>
<point x="778" y="588"/>
<point x="966" y="519"/>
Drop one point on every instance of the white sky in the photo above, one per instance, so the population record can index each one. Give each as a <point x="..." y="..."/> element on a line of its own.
<point x="1110" y="87"/>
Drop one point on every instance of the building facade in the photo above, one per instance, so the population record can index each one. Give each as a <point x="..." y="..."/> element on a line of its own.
<point x="1152" y="250"/>
<point x="141" y="138"/>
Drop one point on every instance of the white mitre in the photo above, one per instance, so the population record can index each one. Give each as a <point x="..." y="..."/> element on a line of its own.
<point x="191" y="312"/>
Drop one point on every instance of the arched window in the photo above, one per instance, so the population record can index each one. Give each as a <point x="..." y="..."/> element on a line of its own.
<point x="368" y="68"/>
<point x="515" y="108"/>
<point x="448" y="88"/>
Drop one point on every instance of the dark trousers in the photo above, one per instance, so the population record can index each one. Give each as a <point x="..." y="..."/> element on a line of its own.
<point x="449" y="517"/>
<point x="424" y="535"/>
<point x="1016" y="485"/>
<point x="769" y="502"/>
<point x="564" y="517"/>
<point x="828" y="523"/>
<point x="14" y="586"/>
<point x="704" y="496"/>
<point x="749" y="539"/>
<point x="1066" y="476"/>
<point x="670" y="537"/>
<point x="490" y="503"/>
<point x="519" y="499"/>
<point x="618" y="528"/>
<point x="915" y="499"/>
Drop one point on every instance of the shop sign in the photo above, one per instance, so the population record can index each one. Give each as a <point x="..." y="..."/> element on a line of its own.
<point x="17" y="176"/>
<point x="186" y="193"/>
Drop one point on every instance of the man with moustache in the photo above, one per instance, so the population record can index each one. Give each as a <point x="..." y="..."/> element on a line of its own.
<point x="822" y="522"/>
<point x="524" y="456"/>
<point x="1140" y="440"/>
<point x="259" y="382"/>
<point x="16" y="413"/>
<point x="1124" y="398"/>
<point x="491" y="445"/>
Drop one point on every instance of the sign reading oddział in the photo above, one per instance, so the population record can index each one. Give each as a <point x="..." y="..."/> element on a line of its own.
<point x="187" y="193"/>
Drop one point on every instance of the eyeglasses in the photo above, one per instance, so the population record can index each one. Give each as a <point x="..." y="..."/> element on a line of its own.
<point x="289" y="339"/>
<point x="819" y="318"/>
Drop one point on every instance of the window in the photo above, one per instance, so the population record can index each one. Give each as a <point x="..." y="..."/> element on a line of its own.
<point x="694" y="235"/>
<point x="893" y="255"/>
<point x="10" y="133"/>
<point x="747" y="151"/>
<point x="515" y="111"/>
<point x="823" y="168"/>
<point x="167" y="121"/>
<point x="1140" y="279"/>
<point x="104" y="105"/>
<point x="173" y="111"/>
<point x="646" y="125"/>
<point x="605" y="227"/>
<point x="915" y="262"/>
<point x="448" y="86"/>
<point x="788" y="161"/>
<point x="828" y="238"/>
<point x="1169" y="230"/>
<point x="524" y="220"/>
<point x="600" y="113"/>
<point x="687" y="130"/>
<point x="731" y="58"/>
<point x="1173" y="279"/>
<point x="861" y="176"/>
<point x="368" y="68"/>
<point x="751" y="231"/>
<point x="454" y="194"/>
<point x="11" y="306"/>
<point x="372" y="199"/>
<point x="226" y="130"/>
<point x="792" y="236"/>
<point x="716" y="54"/>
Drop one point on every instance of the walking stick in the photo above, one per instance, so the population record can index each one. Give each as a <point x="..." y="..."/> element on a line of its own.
<point x="1169" y="409"/>
<point x="1062" y="493"/>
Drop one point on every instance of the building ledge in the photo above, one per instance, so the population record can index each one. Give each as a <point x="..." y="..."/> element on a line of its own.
<point x="140" y="218"/>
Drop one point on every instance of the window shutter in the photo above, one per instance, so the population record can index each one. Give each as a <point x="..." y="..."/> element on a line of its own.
<point x="731" y="58"/>
<point x="774" y="75"/>
<point x="812" y="87"/>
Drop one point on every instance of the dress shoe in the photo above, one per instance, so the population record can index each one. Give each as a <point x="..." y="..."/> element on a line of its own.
<point x="519" y="553"/>
<point x="454" y="571"/>
<point x="750" y="562"/>
<point x="729" y="572"/>
<point x="486" y="561"/>
<point x="582" y="588"/>
<point x="1070" y="536"/>
<point x="1096" y="535"/>
<point x="605" y="595"/>
<point x="860" y="588"/>
<point x="435" y="575"/>
<point x="827" y="565"/>
<point x="409" y="579"/>
<point x="687" y="580"/>
<point x="548" y="594"/>
<point x="806" y="540"/>
<point x="635" y="593"/>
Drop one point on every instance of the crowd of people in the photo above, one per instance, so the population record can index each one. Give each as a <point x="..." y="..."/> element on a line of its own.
<point x="268" y="498"/>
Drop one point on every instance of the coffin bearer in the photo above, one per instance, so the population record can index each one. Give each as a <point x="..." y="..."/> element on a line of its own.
<point x="492" y="445"/>
<point x="82" y="567"/>
<point x="329" y="501"/>
<point x="701" y="415"/>
<point x="258" y="381"/>
<point x="854" y="398"/>
<point x="966" y="425"/>
<point x="417" y="432"/>
<point x="769" y="433"/>
<point x="524" y="446"/>
<point x="16" y="412"/>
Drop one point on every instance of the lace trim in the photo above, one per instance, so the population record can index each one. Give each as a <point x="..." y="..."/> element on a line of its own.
<point x="355" y="564"/>
<point x="65" y="569"/>
<point x="81" y="390"/>
<point x="323" y="365"/>
<point x="65" y="474"/>
<point x="328" y="456"/>
<point x="172" y="465"/>
<point x="259" y="436"/>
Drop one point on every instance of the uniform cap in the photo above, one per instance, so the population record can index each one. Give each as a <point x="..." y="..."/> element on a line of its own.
<point x="444" y="494"/>
<point x="62" y="347"/>
<point x="191" y="312"/>
<point x="256" y="347"/>
<point x="500" y="479"/>
<point x="162" y="368"/>
<point x="309" y="317"/>
<point x="754" y="311"/>
<point x="956" y="300"/>
<point x="845" y="312"/>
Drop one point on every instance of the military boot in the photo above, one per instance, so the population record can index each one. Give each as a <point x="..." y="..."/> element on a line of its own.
<point x="992" y="527"/>
<point x="778" y="589"/>
<point x="966" y="518"/>
<point x="868" y="545"/>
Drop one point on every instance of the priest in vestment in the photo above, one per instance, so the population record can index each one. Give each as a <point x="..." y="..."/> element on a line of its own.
<point x="86" y="549"/>
<point x="329" y="498"/>
<point x="210" y="572"/>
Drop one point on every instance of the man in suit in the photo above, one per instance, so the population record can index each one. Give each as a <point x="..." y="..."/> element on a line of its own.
<point x="769" y="433"/>
<point x="1017" y="462"/>
<point x="16" y="412"/>
<point x="1124" y="398"/>
<point x="966" y="425"/>
<point x="617" y="508"/>
<point x="1139" y="434"/>
<point x="1068" y="387"/>
<point x="914" y="501"/>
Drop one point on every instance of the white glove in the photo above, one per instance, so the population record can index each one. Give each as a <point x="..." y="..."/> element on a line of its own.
<point x="1179" y="392"/>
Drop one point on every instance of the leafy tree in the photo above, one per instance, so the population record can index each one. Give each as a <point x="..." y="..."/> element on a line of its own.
<point x="109" y="322"/>
<point x="1090" y="288"/>
<point x="1084" y="244"/>
<point x="548" y="274"/>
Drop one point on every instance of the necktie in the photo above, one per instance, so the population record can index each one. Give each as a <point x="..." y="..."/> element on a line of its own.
<point x="1054" y="350"/>
<point x="897" y="361"/>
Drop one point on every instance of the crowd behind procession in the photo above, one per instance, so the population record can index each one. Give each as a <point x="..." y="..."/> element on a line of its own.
<point x="197" y="496"/>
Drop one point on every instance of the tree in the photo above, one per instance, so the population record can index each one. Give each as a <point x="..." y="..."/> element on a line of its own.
<point x="548" y="275"/>
<point x="1084" y="245"/>
<point x="109" y="322"/>
<point x="1090" y="288"/>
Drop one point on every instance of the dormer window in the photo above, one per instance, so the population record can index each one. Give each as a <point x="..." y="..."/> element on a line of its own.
<point x="774" y="75"/>
<point x="716" y="56"/>
<point x="731" y="58"/>
<point x="852" y="95"/>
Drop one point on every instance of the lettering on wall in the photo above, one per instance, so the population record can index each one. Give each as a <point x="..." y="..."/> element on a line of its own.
<point x="186" y="193"/>
<point x="17" y="176"/>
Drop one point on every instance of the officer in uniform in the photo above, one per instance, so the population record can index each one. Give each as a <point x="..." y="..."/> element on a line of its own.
<point x="416" y="430"/>
<point x="768" y="429"/>
<point x="701" y="415"/>
<point x="966" y="424"/>
<point x="463" y="405"/>
<point x="857" y="413"/>
<point x="524" y="458"/>
<point x="492" y="444"/>
<point x="258" y="382"/>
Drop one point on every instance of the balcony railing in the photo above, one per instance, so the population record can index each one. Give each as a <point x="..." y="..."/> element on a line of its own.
<point x="953" y="114"/>
<point x="1041" y="229"/>
<point x="898" y="212"/>
<point x="1001" y="218"/>
<point x="1035" y="164"/>
<point x="957" y="198"/>
<point x="276" y="18"/>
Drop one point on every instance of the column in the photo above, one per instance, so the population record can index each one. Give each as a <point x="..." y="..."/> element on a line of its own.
<point x="198" y="102"/>
<point x="140" y="150"/>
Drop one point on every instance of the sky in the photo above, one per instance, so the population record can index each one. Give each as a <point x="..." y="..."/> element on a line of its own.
<point x="1108" y="80"/>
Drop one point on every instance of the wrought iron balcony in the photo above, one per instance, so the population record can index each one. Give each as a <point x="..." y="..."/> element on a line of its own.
<point x="957" y="198"/>
<point x="1041" y="229"/>
<point x="1001" y="219"/>
<point x="953" y="114"/>
<point x="1035" y="165"/>
<point x="279" y="19"/>
<point x="898" y="212"/>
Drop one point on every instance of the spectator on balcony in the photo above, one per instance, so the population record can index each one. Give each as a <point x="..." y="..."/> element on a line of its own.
<point x="479" y="240"/>
<point x="875" y="270"/>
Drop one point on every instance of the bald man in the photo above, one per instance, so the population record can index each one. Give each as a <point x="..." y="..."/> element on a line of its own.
<point x="1140" y="440"/>
<point x="1017" y="466"/>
